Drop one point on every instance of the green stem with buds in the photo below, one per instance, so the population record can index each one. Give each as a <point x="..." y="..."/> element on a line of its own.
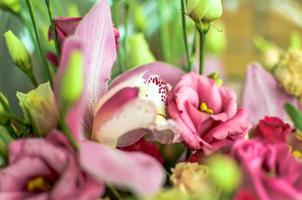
<point x="39" y="46"/>
<point x="53" y="26"/>
<point x="184" y="29"/>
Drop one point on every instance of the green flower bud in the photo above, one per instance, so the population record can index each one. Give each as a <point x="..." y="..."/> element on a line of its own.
<point x="4" y="109"/>
<point x="170" y="194"/>
<point x="10" y="5"/>
<point x="72" y="82"/>
<point x="204" y="11"/>
<point x="39" y="106"/>
<point x="18" y="52"/>
<point x="225" y="173"/>
<point x="139" y="52"/>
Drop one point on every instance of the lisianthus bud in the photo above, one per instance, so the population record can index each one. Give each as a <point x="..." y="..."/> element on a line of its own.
<point x="18" y="52"/>
<point x="10" y="5"/>
<point x="139" y="51"/>
<point x="289" y="72"/>
<point x="204" y="11"/>
<point x="194" y="179"/>
<point x="72" y="82"/>
<point x="4" y="109"/>
<point x="40" y="107"/>
<point x="224" y="172"/>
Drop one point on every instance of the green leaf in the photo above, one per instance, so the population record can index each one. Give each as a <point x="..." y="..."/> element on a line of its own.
<point x="294" y="114"/>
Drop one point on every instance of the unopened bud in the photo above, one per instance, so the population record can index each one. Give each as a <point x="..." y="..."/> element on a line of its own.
<point x="4" y="109"/>
<point x="18" y="52"/>
<point x="41" y="108"/>
<point x="204" y="11"/>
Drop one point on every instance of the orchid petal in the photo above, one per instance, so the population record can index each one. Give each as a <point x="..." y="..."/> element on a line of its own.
<point x="75" y="114"/>
<point x="97" y="34"/>
<point x="262" y="95"/>
<point x="122" y="113"/>
<point x="138" y="172"/>
<point x="167" y="72"/>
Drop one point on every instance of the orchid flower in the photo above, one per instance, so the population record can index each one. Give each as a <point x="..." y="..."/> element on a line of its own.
<point x="262" y="96"/>
<point x="138" y="94"/>
<point x="94" y="38"/>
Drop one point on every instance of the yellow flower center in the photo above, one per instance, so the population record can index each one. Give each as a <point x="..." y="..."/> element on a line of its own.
<point x="204" y="108"/>
<point x="297" y="154"/>
<point x="38" y="183"/>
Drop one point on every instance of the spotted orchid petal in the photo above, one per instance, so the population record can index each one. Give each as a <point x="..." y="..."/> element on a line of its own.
<point x="97" y="34"/>
<point x="132" y="109"/>
<point x="138" y="172"/>
<point x="167" y="72"/>
<point x="262" y="96"/>
<point x="75" y="113"/>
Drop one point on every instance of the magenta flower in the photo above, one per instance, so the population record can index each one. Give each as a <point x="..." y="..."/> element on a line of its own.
<point x="50" y="169"/>
<point x="270" y="171"/>
<point x="207" y="114"/>
<point x="262" y="95"/>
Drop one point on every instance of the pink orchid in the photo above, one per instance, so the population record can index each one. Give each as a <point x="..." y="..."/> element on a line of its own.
<point x="140" y="92"/>
<point x="206" y="113"/>
<point x="50" y="169"/>
<point x="94" y="37"/>
<point x="262" y="95"/>
<point x="270" y="171"/>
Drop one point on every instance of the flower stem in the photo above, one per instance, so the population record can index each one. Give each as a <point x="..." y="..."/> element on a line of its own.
<point x="36" y="31"/>
<point x="184" y="29"/>
<point x="164" y="37"/>
<point x="53" y="27"/>
<point x="114" y="192"/>
<point x="127" y="15"/>
<point x="202" y="29"/>
<point x="32" y="78"/>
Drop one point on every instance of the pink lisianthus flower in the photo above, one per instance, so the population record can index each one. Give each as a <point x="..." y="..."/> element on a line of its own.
<point x="270" y="171"/>
<point x="46" y="169"/>
<point x="207" y="115"/>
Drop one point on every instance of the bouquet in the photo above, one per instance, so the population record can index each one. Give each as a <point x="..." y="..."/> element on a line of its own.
<point x="105" y="120"/>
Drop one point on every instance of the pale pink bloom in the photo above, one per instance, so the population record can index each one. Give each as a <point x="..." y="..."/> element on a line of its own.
<point x="262" y="95"/>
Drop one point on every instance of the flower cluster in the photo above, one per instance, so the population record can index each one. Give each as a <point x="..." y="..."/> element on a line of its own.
<point x="86" y="134"/>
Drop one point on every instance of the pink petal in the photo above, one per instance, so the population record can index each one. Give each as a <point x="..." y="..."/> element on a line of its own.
<point x="97" y="34"/>
<point x="138" y="172"/>
<point x="262" y="95"/>
<point x="119" y="115"/>
<point x="166" y="72"/>
<point x="75" y="114"/>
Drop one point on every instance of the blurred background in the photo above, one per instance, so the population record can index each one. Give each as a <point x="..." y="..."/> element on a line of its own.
<point x="152" y="30"/>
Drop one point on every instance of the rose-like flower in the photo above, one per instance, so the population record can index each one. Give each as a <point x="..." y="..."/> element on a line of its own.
<point x="207" y="114"/>
<point x="46" y="169"/>
<point x="270" y="171"/>
<point x="289" y="72"/>
<point x="272" y="129"/>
